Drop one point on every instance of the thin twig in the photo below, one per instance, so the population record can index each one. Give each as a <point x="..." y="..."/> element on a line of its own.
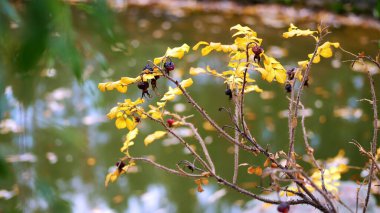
<point x="182" y="141"/>
<point x="162" y="167"/>
<point x="202" y="143"/>
<point x="243" y="86"/>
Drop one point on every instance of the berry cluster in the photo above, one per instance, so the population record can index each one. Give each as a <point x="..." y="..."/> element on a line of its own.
<point x="148" y="69"/>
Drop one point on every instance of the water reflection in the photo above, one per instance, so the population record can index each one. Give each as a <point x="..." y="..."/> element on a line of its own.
<point x="58" y="144"/>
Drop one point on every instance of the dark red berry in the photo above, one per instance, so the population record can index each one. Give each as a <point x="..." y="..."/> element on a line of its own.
<point x="288" y="87"/>
<point x="283" y="207"/>
<point x="143" y="85"/>
<point x="257" y="50"/>
<point x="170" y="122"/>
<point x="169" y="66"/>
<point x="228" y="92"/>
<point x="137" y="119"/>
<point x="120" y="165"/>
<point x="148" y="67"/>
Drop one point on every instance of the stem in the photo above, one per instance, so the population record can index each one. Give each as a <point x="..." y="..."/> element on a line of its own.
<point x="236" y="147"/>
<point x="290" y="125"/>
<point x="298" y="98"/>
<point x="374" y="139"/>
<point x="162" y="167"/>
<point x="243" y="86"/>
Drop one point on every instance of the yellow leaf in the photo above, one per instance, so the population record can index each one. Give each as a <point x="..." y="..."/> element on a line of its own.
<point x="168" y="97"/>
<point x="294" y="31"/>
<point x="199" y="43"/>
<point x="152" y="137"/>
<point x="128" y="80"/>
<point x="121" y="88"/>
<point x="161" y="104"/>
<point x="112" y="113"/>
<point x="186" y="83"/>
<point x="126" y="146"/>
<point x="251" y="88"/>
<point x="325" y="49"/>
<point x="132" y="134"/>
<point x="177" y="52"/>
<point x="111" y="177"/>
<point x="130" y="123"/>
<point x="303" y="64"/>
<point x="158" y="60"/>
<point x="147" y="77"/>
<point x="138" y="101"/>
<point x="281" y="76"/>
<point x="102" y="87"/>
<point x="243" y="30"/>
<point x="120" y="123"/>
<point x="206" y="50"/>
<point x="110" y="86"/>
<point x="196" y="71"/>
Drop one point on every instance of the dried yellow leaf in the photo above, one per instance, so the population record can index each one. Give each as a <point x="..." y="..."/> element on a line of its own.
<point x="152" y="137"/>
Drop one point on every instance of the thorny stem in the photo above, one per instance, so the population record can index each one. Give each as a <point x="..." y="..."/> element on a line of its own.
<point x="374" y="139"/>
<point x="243" y="87"/>
<point x="298" y="98"/>
<point x="236" y="147"/>
<point x="290" y="123"/>
<point x="309" y="149"/>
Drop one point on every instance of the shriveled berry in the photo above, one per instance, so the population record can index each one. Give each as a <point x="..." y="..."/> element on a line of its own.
<point x="148" y="67"/>
<point x="291" y="73"/>
<point x="170" y="122"/>
<point x="169" y="66"/>
<point x="283" y="207"/>
<point x="143" y="85"/>
<point x="120" y="165"/>
<point x="257" y="50"/>
<point x="288" y="87"/>
<point x="228" y="92"/>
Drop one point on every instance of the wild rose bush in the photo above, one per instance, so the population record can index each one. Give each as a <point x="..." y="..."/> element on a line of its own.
<point x="295" y="185"/>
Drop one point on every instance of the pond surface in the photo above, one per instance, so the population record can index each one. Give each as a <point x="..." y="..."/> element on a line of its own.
<point x="57" y="145"/>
